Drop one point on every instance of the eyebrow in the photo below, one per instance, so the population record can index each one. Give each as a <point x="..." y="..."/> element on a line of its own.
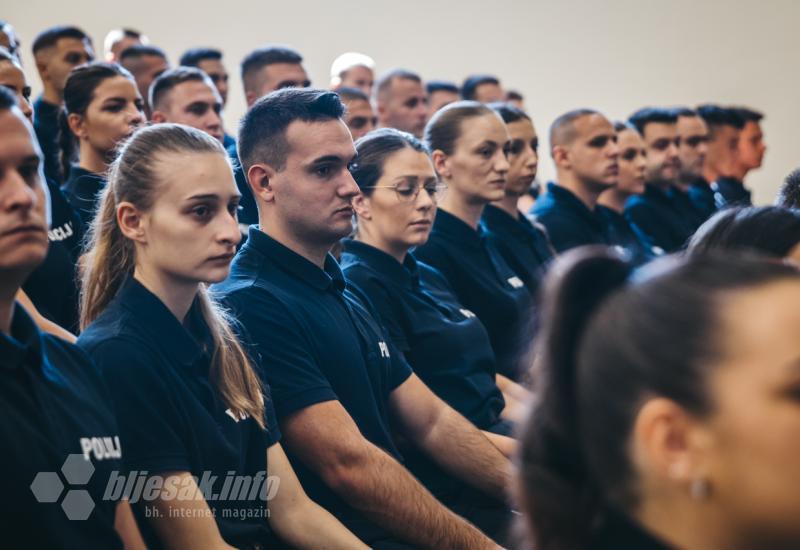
<point x="330" y="158"/>
<point x="211" y="196"/>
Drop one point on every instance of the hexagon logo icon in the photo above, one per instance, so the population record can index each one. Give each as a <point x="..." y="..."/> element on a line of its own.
<point x="47" y="487"/>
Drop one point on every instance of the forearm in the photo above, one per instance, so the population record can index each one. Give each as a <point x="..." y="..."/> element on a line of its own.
<point x="504" y="444"/>
<point x="461" y="449"/>
<point x="384" y="492"/>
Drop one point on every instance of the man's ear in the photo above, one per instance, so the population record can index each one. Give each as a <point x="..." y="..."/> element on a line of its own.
<point x="259" y="177"/>
<point x="561" y="156"/>
<point x="41" y="58"/>
<point x="441" y="163"/>
<point x="250" y="97"/>
<point x="361" y="205"/>
<point x="131" y="222"/>
<point x="158" y="117"/>
<point x="75" y="123"/>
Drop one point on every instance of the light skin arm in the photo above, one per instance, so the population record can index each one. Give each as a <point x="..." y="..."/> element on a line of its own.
<point x="41" y="321"/>
<point x="450" y="439"/>
<point x="125" y="525"/>
<point x="296" y="518"/>
<point x="506" y="445"/>
<point x="185" y="523"/>
<point x="327" y="440"/>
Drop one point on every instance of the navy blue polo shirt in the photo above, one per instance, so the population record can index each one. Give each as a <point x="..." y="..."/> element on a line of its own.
<point x="228" y="140"/>
<point x="683" y="203"/>
<point x="654" y="215"/>
<point x="319" y="339"/>
<point x="620" y="233"/>
<point x="248" y="211"/>
<point x="53" y="286"/>
<point x="445" y="343"/>
<point x="170" y="415"/>
<point x="55" y="412"/>
<point x="523" y="245"/>
<point x="46" y="126"/>
<point x="731" y="192"/>
<point x="702" y="197"/>
<point x="485" y="284"/>
<point x="82" y="191"/>
<point x="568" y="221"/>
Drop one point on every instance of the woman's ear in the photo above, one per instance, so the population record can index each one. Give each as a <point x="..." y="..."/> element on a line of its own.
<point x="361" y="205"/>
<point x="131" y="222"/>
<point x="76" y="125"/>
<point x="441" y="163"/>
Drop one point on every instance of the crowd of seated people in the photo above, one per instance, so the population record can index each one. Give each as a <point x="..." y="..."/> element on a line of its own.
<point x="356" y="323"/>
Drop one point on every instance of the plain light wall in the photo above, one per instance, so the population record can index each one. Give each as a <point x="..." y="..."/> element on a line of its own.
<point x="611" y="55"/>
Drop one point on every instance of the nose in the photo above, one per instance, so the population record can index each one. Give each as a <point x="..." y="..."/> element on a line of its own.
<point x="17" y="193"/>
<point x="613" y="150"/>
<point x="214" y="121"/>
<point x="136" y="117"/>
<point x="424" y="200"/>
<point x="501" y="163"/>
<point x="229" y="232"/>
<point x="348" y="188"/>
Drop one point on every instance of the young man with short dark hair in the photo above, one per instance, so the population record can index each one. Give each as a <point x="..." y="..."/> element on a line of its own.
<point x="271" y="68"/>
<point x="482" y="87"/>
<point x="692" y="152"/>
<point x="57" y="51"/>
<point x="751" y="148"/>
<point x="401" y="102"/>
<point x="724" y="129"/>
<point x="186" y="95"/>
<point x="209" y="60"/>
<point x="360" y="118"/>
<point x="440" y="93"/>
<point x="145" y="63"/>
<point x="338" y="384"/>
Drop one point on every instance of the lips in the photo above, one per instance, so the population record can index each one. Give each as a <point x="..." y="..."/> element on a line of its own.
<point x="25" y="228"/>
<point x="222" y="257"/>
<point x="345" y="210"/>
<point x="422" y="223"/>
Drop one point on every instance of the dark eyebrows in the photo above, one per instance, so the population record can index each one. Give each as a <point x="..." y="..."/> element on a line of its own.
<point x="212" y="197"/>
<point x="330" y="159"/>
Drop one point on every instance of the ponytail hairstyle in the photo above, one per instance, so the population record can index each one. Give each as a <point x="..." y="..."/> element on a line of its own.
<point x="111" y="257"/>
<point x="78" y="94"/>
<point x="612" y="338"/>
<point x="444" y="128"/>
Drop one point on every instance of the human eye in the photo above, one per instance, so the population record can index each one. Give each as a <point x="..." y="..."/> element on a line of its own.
<point x="405" y="189"/>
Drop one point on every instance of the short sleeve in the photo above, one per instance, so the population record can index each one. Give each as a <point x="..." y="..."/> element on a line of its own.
<point x="286" y="360"/>
<point x="400" y="370"/>
<point x="149" y="422"/>
<point x="270" y="419"/>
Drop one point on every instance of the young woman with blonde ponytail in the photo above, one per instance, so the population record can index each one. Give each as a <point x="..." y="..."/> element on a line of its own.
<point x="189" y="402"/>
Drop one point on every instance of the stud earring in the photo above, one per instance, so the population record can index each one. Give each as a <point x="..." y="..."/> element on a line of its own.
<point x="700" y="488"/>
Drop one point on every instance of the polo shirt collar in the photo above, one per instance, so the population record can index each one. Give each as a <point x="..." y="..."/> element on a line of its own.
<point x="405" y="274"/>
<point x="568" y="199"/>
<point x="185" y="343"/>
<point x="23" y="348"/>
<point x="330" y="277"/>
<point x="497" y="217"/>
<point x="653" y="192"/>
<point x="452" y="226"/>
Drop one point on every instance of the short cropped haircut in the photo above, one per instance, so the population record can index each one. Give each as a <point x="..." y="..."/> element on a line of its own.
<point x="262" y="131"/>
<point x="7" y="99"/>
<point x="386" y="80"/>
<point x="351" y="94"/>
<point x="193" y="57"/>
<point x="748" y="115"/>
<point x="562" y="130"/>
<point x="509" y="112"/>
<point x="441" y="86"/>
<point x="789" y="193"/>
<point x="267" y="55"/>
<point x="684" y="112"/>
<point x="167" y="80"/>
<point x="649" y="115"/>
<point x="514" y="95"/>
<point x="624" y="125"/>
<point x="471" y="83"/>
<point x="140" y="50"/>
<point x="716" y="116"/>
<point x="49" y="37"/>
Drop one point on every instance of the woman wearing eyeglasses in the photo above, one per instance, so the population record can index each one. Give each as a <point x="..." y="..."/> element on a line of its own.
<point x="445" y="343"/>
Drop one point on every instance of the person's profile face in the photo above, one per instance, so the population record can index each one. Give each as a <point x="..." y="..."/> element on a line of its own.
<point x="113" y="114"/>
<point x="65" y="55"/>
<point x="523" y="156"/>
<point x="661" y="141"/>
<point x="593" y="154"/>
<point x="191" y="231"/>
<point x="360" y="117"/>
<point x="313" y="193"/>
<point x="12" y="77"/>
<point x="278" y="76"/>
<point x="23" y="209"/>
<point x="196" y="104"/>
<point x="723" y="149"/>
<point x="489" y="93"/>
<point x="632" y="162"/>
<point x="692" y="145"/>
<point x="406" y="107"/>
<point x="218" y="74"/>
<point x="358" y="77"/>
<point x="751" y="147"/>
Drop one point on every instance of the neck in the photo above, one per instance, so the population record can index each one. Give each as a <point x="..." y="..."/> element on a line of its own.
<point x="459" y="206"/>
<point x="311" y="251"/>
<point x="710" y="173"/>
<point x="368" y="237"/>
<point x="693" y="526"/>
<point x="614" y="199"/>
<point x="660" y="184"/>
<point x="52" y="96"/>
<point x="587" y="194"/>
<point x="739" y="172"/>
<point x="176" y="295"/>
<point x="92" y="160"/>
<point x="508" y="204"/>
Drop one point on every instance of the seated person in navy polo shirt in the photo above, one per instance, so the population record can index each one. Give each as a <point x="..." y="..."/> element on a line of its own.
<point x="189" y="401"/>
<point x="468" y="141"/>
<point x="524" y="246"/>
<point x="102" y="107"/>
<point x="663" y="214"/>
<point x="186" y="95"/>
<point x="692" y="151"/>
<point x="57" y="51"/>
<point x="338" y="383"/>
<point x="209" y="60"/>
<point x="751" y="147"/>
<point x="264" y="70"/>
<point x="724" y="130"/>
<point x="55" y="407"/>
<point x="611" y="205"/>
<point x="584" y="149"/>
<point x="445" y="343"/>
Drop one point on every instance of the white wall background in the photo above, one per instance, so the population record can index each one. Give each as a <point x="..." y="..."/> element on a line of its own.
<point x="612" y="55"/>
